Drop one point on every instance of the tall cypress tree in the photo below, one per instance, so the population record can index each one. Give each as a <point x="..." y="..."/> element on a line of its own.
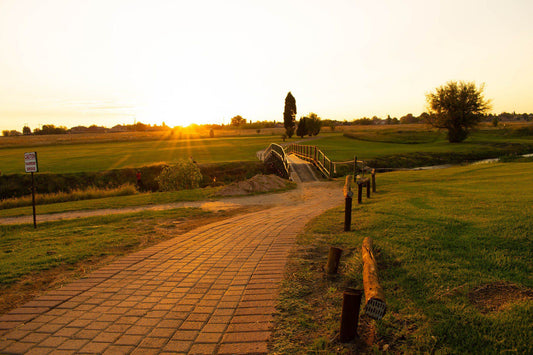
<point x="289" y="114"/>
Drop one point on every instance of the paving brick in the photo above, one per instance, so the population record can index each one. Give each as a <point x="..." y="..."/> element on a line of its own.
<point x="118" y="349"/>
<point x="34" y="337"/>
<point x="86" y="334"/>
<point x="203" y="349"/>
<point x="185" y="335"/>
<point x="246" y="327"/>
<point x="127" y="339"/>
<point x="153" y="342"/>
<point x="208" y="337"/>
<point x="246" y="337"/>
<point x="53" y="341"/>
<point x="243" y="348"/>
<point x="16" y="334"/>
<point x="94" y="347"/>
<point x="107" y="337"/>
<point x="39" y="351"/>
<point x="164" y="300"/>
<point x="73" y="344"/>
<point x="178" y="346"/>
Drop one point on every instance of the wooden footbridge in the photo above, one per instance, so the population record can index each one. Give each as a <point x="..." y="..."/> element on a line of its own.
<point x="303" y="163"/>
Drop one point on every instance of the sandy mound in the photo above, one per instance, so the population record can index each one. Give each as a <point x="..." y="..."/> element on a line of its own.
<point x="259" y="183"/>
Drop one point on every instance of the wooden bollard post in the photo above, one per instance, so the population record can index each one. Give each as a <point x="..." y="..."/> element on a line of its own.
<point x="375" y="305"/>
<point x="359" y="192"/>
<point x="334" y="258"/>
<point x="374" y="180"/>
<point x="350" y="314"/>
<point x="348" y="203"/>
<point x="368" y="189"/>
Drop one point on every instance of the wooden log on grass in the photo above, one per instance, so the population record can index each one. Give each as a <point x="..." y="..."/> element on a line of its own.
<point x="375" y="305"/>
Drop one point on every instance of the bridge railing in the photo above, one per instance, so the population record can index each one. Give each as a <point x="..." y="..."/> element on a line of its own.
<point x="314" y="155"/>
<point x="275" y="156"/>
<point x="327" y="167"/>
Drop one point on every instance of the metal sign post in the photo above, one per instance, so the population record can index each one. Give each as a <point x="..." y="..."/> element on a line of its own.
<point x="31" y="166"/>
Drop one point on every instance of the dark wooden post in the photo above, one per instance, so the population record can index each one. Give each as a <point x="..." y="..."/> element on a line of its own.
<point x="33" y="200"/>
<point x="374" y="180"/>
<point x="368" y="188"/>
<point x="334" y="258"/>
<point x="350" y="314"/>
<point x="359" y="192"/>
<point x="348" y="203"/>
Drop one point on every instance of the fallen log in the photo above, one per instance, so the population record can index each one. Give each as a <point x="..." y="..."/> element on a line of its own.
<point x="375" y="305"/>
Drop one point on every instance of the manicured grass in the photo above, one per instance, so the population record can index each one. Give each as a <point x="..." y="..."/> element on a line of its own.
<point x="69" y="158"/>
<point x="440" y="236"/>
<point x="340" y="148"/>
<point x="25" y="250"/>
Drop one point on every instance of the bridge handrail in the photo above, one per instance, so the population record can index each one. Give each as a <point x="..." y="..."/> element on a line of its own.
<point x="277" y="151"/>
<point x="314" y="155"/>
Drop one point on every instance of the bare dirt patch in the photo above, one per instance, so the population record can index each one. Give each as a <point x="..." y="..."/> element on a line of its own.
<point x="497" y="296"/>
<point x="258" y="183"/>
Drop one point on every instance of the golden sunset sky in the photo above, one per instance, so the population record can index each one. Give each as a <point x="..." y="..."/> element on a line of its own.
<point x="107" y="62"/>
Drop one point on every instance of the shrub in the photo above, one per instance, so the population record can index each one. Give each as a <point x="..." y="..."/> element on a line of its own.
<point x="182" y="175"/>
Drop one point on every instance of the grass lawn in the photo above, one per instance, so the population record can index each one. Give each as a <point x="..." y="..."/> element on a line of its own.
<point x="379" y="143"/>
<point x="78" y="157"/>
<point x="454" y="251"/>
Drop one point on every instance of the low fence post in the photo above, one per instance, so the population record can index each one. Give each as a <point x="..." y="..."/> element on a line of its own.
<point x="359" y="192"/>
<point x="368" y="189"/>
<point x="374" y="180"/>
<point x="348" y="203"/>
<point x="350" y="314"/>
<point x="334" y="258"/>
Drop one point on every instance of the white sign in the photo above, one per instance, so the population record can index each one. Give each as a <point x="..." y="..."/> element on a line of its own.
<point x="30" y="162"/>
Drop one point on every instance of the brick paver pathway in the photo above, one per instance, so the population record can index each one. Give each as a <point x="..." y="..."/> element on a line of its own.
<point x="209" y="291"/>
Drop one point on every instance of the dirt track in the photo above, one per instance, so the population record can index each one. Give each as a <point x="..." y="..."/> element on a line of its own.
<point x="301" y="194"/>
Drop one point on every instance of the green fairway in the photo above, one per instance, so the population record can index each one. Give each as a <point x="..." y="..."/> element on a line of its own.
<point x="340" y="148"/>
<point x="69" y="158"/>
<point x="454" y="250"/>
<point x="370" y="143"/>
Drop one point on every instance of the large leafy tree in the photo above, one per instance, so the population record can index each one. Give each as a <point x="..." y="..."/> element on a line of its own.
<point x="289" y="114"/>
<point x="314" y="124"/>
<point x="238" y="121"/>
<point x="457" y="107"/>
